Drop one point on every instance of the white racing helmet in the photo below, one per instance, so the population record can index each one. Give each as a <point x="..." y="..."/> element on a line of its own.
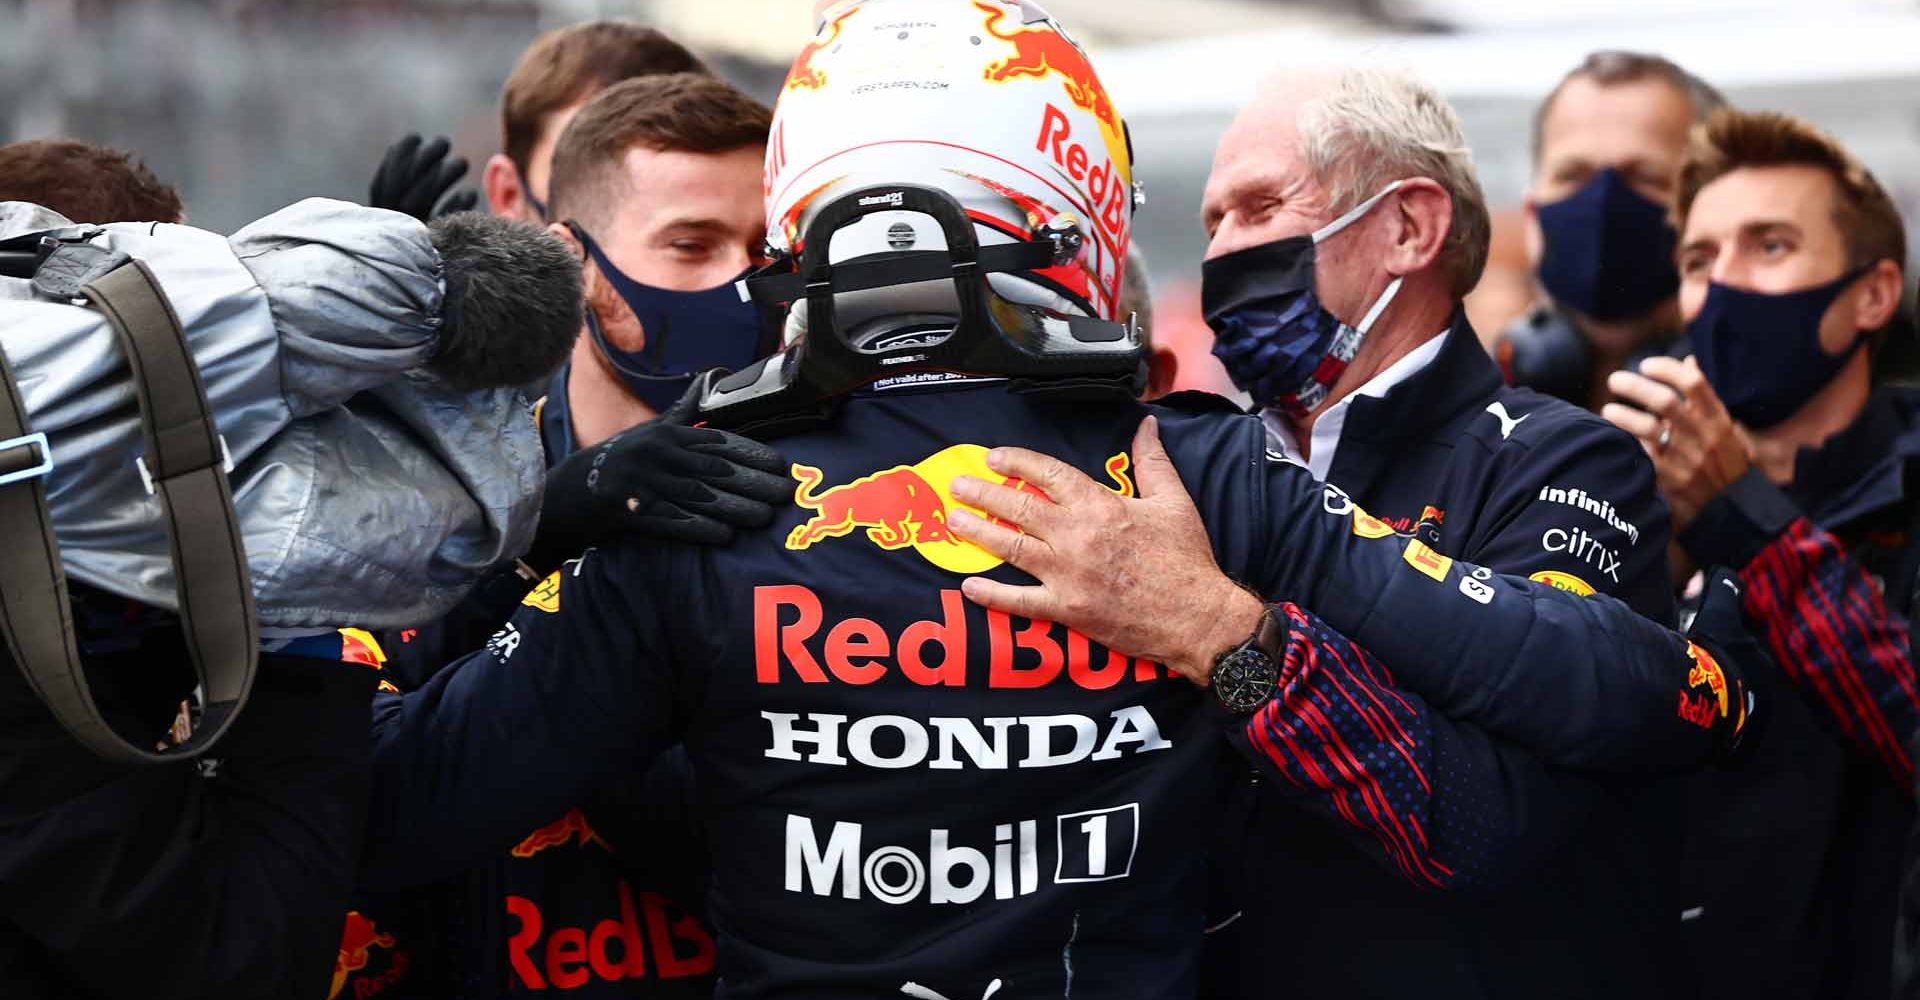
<point x="988" y="101"/>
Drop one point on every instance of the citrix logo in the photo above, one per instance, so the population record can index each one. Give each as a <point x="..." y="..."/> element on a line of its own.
<point x="1577" y="543"/>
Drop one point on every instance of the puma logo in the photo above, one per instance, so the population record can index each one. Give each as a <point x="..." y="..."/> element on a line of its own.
<point x="919" y="992"/>
<point x="1507" y="423"/>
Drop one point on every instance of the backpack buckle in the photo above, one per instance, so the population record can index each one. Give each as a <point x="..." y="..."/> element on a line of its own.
<point x="39" y="468"/>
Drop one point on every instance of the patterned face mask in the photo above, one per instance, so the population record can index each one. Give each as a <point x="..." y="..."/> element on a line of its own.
<point x="1269" y="329"/>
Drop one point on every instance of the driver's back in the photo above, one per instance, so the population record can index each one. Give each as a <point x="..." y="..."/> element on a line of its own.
<point x="909" y="794"/>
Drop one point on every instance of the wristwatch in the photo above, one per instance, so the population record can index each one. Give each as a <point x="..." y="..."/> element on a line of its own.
<point x="1244" y="676"/>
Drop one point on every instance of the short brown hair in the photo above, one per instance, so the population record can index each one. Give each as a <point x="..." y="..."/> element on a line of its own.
<point x="1732" y="139"/>
<point x="684" y="112"/>
<point x="1614" y="67"/>
<point x="1866" y="216"/>
<point x="85" y="183"/>
<point x="568" y="64"/>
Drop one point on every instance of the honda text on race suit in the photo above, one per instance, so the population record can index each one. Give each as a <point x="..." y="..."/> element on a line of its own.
<point x="904" y="789"/>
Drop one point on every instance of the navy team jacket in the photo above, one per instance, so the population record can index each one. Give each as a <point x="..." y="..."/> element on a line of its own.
<point x="219" y="877"/>
<point x="1579" y="900"/>
<point x="620" y="869"/>
<point x="1793" y="873"/>
<point x="909" y="795"/>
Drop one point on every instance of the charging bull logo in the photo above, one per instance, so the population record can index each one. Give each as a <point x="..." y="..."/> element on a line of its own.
<point x="357" y="942"/>
<point x="560" y="831"/>
<point x="906" y="506"/>
<point x="1045" y="50"/>
<point x="1712" y="701"/>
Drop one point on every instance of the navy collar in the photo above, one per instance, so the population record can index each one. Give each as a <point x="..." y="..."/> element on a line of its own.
<point x="1459" y="381"/>
<point x="1430" y="404"/>
<point x="556" y="419"/>
<point x="1861" y="469"/>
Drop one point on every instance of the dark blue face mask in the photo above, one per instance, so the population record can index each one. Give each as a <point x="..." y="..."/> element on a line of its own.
<point x="1761" y="352"/>
<point x="686" y="332"/>
<point x="1608" y="250"/>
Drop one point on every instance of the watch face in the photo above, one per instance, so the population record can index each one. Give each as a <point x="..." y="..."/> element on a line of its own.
<point x="1243" y="679"/>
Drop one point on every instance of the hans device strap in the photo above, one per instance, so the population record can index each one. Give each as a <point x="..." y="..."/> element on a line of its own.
<point x="1037" y="350"/>
<point x="185" y="466"/>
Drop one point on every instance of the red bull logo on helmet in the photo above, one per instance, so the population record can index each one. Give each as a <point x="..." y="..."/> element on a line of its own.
<point x="906" y="506"/>
<point x="1046" y="50"/>
<point x="805" y="75"/>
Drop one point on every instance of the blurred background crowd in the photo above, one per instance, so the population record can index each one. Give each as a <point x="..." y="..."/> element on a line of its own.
<point x="170" y="77"/>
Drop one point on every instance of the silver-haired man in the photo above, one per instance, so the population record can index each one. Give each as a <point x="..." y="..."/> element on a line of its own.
<point x="1346" y="223"/>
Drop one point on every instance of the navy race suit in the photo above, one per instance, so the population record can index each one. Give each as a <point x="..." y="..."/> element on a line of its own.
<point x="908" y="795"/>
<point x="1521" y="484"/>
<point x="627" y="857"/>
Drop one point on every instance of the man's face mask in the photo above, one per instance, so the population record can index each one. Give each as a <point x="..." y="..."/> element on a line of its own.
<point x="686" y="332"/>
<point x="1270" y="331"/>
<point x="1761" y="351"/>
<point x="1609" y="250"/>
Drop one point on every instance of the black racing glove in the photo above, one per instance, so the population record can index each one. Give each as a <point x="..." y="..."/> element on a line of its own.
<point x="412" y="178"/>
<point x="662" y="479"/>
<point x="1744" y="669"/>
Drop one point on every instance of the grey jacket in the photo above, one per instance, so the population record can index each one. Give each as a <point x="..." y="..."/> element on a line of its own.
<point x="369" y="493"/>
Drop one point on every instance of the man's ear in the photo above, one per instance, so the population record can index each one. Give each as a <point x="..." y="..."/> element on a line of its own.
<point x="501" y="181"/>
<point x="1422" y="216"/>
<point x="1880" y="291"/>
<point x="590" y="280"/>
<point x="564" y="233"/>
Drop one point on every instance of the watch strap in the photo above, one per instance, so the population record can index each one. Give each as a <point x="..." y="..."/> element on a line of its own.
<point x="1270" y="636"/>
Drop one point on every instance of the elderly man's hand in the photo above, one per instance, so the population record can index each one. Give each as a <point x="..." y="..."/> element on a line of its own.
<point x="1697" y="449"/>
<point x="1135" y="575"/>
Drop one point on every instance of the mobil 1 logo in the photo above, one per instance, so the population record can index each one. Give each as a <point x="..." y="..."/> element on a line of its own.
<point x="840" y="859"/>
<point x="1097" y="845"/>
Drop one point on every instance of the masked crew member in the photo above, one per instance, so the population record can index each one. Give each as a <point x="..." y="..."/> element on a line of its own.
<point x="1783" y="451"/>
<point x="667" y="169"/>
<point x="907" y="794"/>
<point x="1333" y="281"/>
<point x="1607" y="144"/>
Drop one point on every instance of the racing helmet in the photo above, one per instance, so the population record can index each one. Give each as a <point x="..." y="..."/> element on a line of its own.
<point x="947" y="175"/>
<point x="990" y="101"/>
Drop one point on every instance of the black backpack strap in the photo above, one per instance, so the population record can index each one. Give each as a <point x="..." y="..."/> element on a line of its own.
<point x="185" y="466"/>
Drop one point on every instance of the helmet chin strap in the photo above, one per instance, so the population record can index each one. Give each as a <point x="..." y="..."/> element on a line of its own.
<point x="884" y="315"/>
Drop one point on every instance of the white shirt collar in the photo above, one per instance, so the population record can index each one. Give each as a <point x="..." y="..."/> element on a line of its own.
<point x="1331" y="421"/>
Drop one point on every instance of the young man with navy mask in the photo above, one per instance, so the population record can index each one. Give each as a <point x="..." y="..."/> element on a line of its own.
<point x="656" y="186"/>
<point x="1607" y="144"/>
<point x="1783" y="453"/>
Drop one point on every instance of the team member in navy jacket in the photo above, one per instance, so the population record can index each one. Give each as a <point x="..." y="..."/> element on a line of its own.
<point x="1783" y="455"/>
<point x="1371" y="379"/>
<point x="910" y="795"/>
<point x="663" y="175"/>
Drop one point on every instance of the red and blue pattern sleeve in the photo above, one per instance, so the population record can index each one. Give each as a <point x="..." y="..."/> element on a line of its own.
<point x="1423" y="795"/>
<point x="1831" y="632"/>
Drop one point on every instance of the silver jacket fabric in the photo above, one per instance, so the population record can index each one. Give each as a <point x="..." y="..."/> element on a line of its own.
<point x="369" y="493"/>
